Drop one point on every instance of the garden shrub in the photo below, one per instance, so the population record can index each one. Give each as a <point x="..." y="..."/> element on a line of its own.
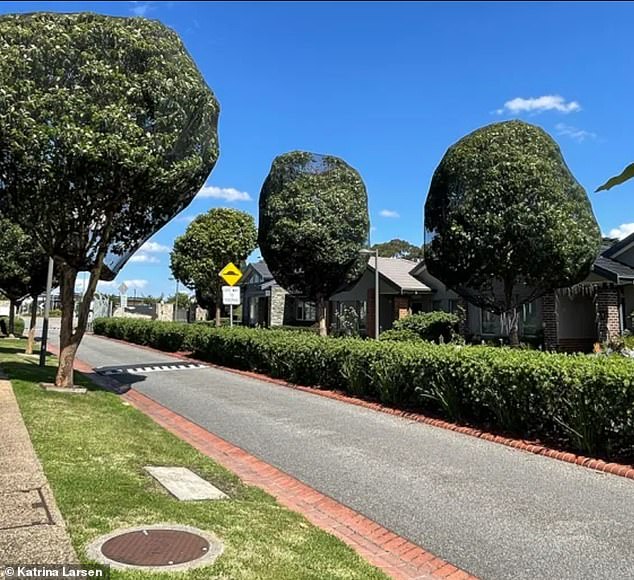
<point x="583" y="401"/>
<point x="430" y="325"/>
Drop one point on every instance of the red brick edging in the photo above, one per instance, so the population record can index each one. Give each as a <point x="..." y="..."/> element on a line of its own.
<point x="619" y="469"/>
<point x="393" y="554"/>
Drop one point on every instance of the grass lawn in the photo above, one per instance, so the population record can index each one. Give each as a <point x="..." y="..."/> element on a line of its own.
<point x="93" y="448"/>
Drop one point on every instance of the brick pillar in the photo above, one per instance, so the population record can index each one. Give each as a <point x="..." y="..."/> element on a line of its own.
<point x="369" y="319"/>
<point x="608" y="313"/>
<point x="550" y="321"/>
<point x="401" y="307"/>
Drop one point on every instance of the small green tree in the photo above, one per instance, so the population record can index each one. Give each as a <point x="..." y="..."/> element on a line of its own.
<point x="23" y="271"/>
<point x="211" y="241"/>
<point x="313" y="222"/>
<point x="107" y="131"/>
<point x="397" y="248"/>
<point x="508" y="220"/>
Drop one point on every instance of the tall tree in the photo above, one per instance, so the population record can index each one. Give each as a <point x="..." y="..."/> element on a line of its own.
<point x="211" y="241"/>
<point x="107" y="130"/>
<point x="313" y="222"/>
<point x="398" y="248"/>
<point x="23" y="270"/>
<point x="508" y="220"/>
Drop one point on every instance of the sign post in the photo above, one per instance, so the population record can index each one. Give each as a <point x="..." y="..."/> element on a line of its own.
<point x="230" y="296"/>
<point x="123" y="297"/>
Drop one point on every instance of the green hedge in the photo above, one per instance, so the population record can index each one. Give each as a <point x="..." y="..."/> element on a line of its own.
<point x="18" y="325"/>
<point x="429" y="326"/>
<point x="583" y="401"/>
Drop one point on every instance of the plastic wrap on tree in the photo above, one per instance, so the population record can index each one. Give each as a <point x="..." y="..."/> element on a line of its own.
<point x="120" y="126"/>
<point x="505" y="219"/>
<point x="313" y="222"/>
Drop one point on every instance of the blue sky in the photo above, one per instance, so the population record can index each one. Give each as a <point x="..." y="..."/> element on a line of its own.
<point x="388" y="87"/>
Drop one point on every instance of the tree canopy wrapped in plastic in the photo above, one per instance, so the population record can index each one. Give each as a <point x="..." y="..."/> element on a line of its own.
<point x="107" y="131"/>
<point x="313" y="222"/>
<point x="505" y="219"/>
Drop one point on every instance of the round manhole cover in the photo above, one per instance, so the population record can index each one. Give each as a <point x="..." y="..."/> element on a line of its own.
<point x="155" y="547"/>
<point x="159" y="547"/>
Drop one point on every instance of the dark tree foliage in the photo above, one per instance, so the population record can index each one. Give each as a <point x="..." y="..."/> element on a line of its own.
<point x="107" y="130"/>
<point x="509" y="222"/>
<point x="398" y="248"/>
<point x="313" y="222"/>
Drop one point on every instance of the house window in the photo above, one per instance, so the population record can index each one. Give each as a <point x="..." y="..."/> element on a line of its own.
<point x="452" y="306"/>
<point x="490" y="323"/>
<point x="530" y="319"/>
<point x="306" y="311"/>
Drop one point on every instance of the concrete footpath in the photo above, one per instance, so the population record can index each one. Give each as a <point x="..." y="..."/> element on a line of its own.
<point x="32" y="530"/>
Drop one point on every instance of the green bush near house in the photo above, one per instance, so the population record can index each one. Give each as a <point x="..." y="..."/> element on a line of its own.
<point x="18" y="325"/>
<point x="582" y="401"/>
<point x="430" y="325"/>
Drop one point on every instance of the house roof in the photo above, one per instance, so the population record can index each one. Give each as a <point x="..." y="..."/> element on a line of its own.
<point x="397" y="271"/>
<point x="613" y="269"/>
<point x="262" y="269"/>
<point x="619" y="247"/>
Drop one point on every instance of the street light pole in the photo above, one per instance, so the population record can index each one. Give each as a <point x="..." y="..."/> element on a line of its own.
<point x="376" y="289"/>
<point x="47" y="308"/>
<point x="176" y="302"/>
<point x="376" y="295"/>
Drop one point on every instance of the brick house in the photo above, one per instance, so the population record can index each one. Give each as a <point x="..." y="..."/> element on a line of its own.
<point x="569" y="319"/>
<point x="266" y="303"/>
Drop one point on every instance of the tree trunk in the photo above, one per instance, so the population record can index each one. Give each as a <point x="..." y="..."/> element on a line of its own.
<point x="321" y="315"/>
<point x="31" y="336"/>
<point x="69" y="340"/>
<point x="11" y="318"/>
<point x="514" y="339"/>
<point x="217" y="314"/>
<point x="510" y="313"/>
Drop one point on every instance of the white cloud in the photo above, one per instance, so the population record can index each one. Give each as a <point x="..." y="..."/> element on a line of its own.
<point x="144" y="259"/>
<point x="388" y="213"/>
<point x="141" y="8"/>
<point x="539" y="105"/>
<point x="622" y="231"/>
<point x="226" y="193"/>
<point x="113" y="285"/>
<point x="575" y="133"/>
<point x="153" y="247"/>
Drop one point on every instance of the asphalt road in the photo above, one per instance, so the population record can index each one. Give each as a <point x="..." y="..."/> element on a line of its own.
<point x="491" y="510"/>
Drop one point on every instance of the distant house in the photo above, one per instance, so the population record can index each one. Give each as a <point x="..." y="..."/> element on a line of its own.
<point x="266" y="303"/>
<point x="569" y="319"/>
<point x="400" y="294"/>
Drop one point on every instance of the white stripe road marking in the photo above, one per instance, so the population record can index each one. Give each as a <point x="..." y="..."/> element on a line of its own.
<point x="154" y="368"/>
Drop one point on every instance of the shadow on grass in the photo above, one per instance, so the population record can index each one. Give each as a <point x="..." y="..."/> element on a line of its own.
<point x="12" y="349"/>
<point x="29" y="371"/>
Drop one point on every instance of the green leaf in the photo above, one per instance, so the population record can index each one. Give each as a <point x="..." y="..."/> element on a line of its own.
<point x="626" y="174"/>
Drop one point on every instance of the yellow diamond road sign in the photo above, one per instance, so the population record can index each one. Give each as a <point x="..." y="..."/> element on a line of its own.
<point x="230" y="274"/>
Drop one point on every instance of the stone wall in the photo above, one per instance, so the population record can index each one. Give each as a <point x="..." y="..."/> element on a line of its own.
<point x="277" y="303"/>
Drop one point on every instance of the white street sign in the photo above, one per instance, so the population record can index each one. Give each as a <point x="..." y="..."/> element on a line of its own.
<point x="231" y="295"/>
<point x="123" y="288"/>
